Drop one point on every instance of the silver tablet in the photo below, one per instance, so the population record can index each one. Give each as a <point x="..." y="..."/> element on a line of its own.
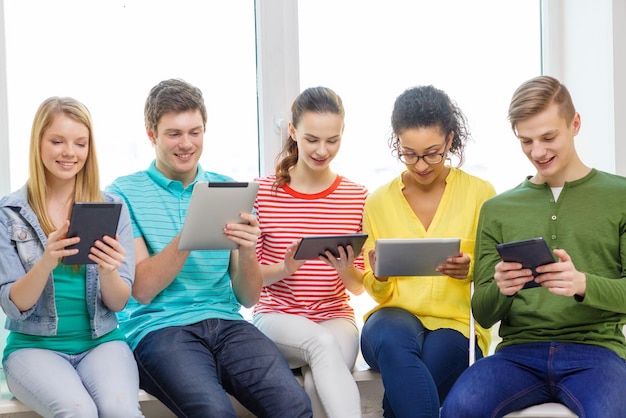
<point x="212" y="206"/>
<point x="413" y="256"/>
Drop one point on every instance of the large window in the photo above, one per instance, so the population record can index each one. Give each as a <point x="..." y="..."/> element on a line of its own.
<point x="108" y="54"/>
<point x="370" y="52"/>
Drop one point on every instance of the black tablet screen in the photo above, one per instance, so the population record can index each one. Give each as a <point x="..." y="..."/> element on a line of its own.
<point x="91" y="222"/>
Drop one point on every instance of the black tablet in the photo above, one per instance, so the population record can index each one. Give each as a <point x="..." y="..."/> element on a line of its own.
<point x="312" y="246"/>
<point x="91" y="222"/>
<point x="531" y="253"/>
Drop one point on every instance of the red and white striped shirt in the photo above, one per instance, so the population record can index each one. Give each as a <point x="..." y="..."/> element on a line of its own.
<point x="315" y="291"/>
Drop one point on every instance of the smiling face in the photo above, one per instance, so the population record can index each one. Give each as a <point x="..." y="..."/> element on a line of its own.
<point x="547" y="140"/>
<point x="178" y="144"/>
<point x="318" y="136"/>
<point x="424" y="141"/>
<point x="64" y="149"/>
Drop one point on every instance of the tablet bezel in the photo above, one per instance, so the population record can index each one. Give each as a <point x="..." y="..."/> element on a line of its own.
<point x="313" y="246"/>
<point x="408" y="257"/>
<point x="531" y="253"/>
<point x="91" y="221"/>
<point x="212" y="206"/>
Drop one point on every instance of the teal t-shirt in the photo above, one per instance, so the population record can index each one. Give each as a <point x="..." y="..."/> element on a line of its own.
<point x="73" y="331"/>
<point x="202" y="289"/>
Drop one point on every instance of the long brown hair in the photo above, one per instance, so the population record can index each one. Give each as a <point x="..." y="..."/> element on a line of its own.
<point x="313" y="99"/>
<point x="87" y="185"/>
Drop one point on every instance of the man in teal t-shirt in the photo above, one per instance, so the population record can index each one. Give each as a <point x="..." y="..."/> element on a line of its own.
<point x="191" y="344"/>
<point x="562" y="340"/>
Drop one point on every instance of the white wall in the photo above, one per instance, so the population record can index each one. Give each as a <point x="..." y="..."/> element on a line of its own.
<point x="584" y="47"/>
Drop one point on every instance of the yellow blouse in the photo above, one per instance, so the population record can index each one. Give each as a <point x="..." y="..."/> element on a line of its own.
<point x="438" y="301"/>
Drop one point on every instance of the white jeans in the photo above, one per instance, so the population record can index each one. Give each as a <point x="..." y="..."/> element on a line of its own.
<point x="326" y="352"/>
<point x="101" y="382"/>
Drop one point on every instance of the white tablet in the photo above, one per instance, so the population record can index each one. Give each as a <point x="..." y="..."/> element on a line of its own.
<point x="212" y="206"/>
<point x="413" y="256"/>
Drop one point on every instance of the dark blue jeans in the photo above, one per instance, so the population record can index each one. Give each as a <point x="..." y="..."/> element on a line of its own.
<point x="418" y="366"/>
<point x="589" y="380"/>
<point x="192" y="368"/>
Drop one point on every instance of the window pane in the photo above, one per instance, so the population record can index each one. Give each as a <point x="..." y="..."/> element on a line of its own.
<point x="108" y="54"/>
<point x="370" y="52"/>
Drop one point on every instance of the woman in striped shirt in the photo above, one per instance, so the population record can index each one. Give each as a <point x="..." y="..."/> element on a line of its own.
<point x="304" y="307"/>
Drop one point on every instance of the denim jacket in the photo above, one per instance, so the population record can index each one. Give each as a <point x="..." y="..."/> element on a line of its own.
<point x="22" y="243"/>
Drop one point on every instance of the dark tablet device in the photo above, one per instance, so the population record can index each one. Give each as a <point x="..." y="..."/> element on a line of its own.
<point x="91" y="222"/>
<point x="531" y="253"/>
<point x="312" y="246"/>
<point x="212" y="206"/>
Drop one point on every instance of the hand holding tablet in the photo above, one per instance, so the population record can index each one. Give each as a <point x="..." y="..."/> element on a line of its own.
<point x="314" y="246"/>
<point x="530" y="253"/>
<point x="413" y="256"/>
<point x="212" y="206"/>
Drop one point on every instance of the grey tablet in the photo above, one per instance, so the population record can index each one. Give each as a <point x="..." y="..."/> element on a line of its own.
<point x="413" y="256"/>
<point x="91" y="222"/>
<point x="531" y="253"/>
<point x="212" y="206"/>
<point x="312" y="246"/>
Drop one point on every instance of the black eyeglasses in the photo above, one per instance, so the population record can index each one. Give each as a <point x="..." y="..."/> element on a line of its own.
<point x="430" y="159"/>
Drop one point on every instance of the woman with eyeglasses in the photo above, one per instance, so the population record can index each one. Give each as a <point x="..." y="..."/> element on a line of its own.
<point x="417" y="336"/>
<point x="304" y="305"/>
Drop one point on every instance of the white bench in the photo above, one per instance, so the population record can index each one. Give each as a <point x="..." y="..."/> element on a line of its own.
<point x="368" y="381"/>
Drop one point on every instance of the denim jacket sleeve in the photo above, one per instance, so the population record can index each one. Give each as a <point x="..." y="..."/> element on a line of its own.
<point x="125" y="234"/>
<point x="22" y="243"/>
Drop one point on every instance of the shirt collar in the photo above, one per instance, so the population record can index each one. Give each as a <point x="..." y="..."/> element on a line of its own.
<point x="165" y="182"/>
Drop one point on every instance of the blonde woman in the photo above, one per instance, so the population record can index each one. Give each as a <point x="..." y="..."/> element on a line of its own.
<point x="64" y="355"/>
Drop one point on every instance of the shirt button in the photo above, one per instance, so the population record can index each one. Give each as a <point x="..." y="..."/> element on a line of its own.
<point x="22" y="235"/>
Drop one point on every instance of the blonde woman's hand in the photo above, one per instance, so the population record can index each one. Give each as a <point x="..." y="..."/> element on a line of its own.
<point x="56" y="244"/>
<point x="108" y="254"/>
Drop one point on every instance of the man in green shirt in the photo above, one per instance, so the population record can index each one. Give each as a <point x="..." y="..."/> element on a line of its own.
<point x="562" y="340"/>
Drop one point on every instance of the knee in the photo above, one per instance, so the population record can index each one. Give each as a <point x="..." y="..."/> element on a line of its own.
<point x="323" y="347"/>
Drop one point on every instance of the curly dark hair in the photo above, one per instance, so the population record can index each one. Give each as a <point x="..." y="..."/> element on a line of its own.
<point x="424" y="107"/>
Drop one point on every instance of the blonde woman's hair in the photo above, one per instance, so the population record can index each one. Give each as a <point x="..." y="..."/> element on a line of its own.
<point x="87" y="186"/>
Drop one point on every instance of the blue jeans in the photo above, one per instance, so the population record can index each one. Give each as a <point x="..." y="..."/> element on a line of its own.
<point x="101" y="382"/>
<point x="192" y="368"/>
<point x="418" y="366"/>
<point x="589" y="380"/>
